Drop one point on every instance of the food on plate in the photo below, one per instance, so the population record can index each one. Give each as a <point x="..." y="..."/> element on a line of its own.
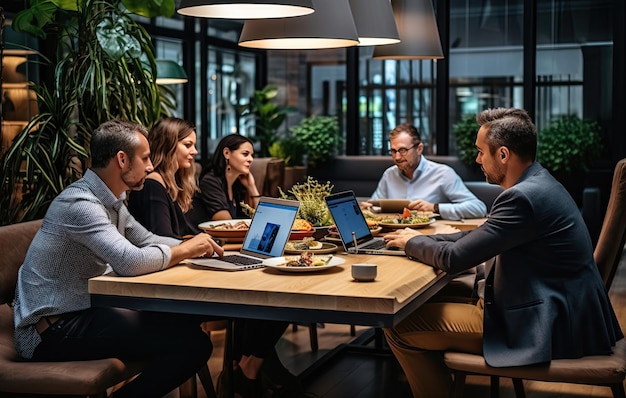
<point x="301" y="225"/>
<point x="306" y="259"/>
<point x="407" y="217"/>
<point x="307" y="243"/>
<point x="240" y="225"/>
<point x="372" y="223"/>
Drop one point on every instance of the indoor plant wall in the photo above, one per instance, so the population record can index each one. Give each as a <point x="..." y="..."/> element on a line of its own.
<point x="104" y="69"/>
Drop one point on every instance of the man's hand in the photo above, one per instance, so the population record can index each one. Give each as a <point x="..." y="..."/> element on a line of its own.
<point x="422" y="205"/>
<point x="365" y="205"/>
<point x="398" y="238"/>
<point x="198" y="246"/>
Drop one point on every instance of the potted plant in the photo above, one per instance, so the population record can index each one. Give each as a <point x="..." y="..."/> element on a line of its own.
<point x="567" y="148"/>
<point x="267" y="116"/>
<point x="569" y="144"/>
<point x="320" y="136"/>
<point x="292" y="151"/>
<point x="105" y="69"/>
<point x="311" y="194"/>
<point x="465" y="131"/>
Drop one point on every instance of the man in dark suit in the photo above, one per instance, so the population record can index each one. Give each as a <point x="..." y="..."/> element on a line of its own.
<point x="542" y="298"/>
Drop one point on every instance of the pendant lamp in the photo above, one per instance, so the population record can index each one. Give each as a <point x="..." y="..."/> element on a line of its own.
<point x="374" y="22"/>
<point x="419" y="35"/>
<point x="245" y="9"/>
<point x="170" y="72"/>
<point x="330" y="26"/>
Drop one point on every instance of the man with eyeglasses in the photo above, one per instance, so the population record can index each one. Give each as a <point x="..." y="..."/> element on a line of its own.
<point x="430" y="186"/>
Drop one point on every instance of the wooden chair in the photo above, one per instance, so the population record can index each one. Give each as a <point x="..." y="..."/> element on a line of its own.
<point x="600" y="370"/>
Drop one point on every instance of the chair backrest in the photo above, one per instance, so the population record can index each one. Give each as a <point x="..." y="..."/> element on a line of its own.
<point x="14" y="242"/>
<point x="269" y="174"/>
<point x="610" y="244"/>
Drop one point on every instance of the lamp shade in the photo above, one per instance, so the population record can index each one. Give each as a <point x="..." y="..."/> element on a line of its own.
<point x="415" y="20"/>
<point x="330" y="26"/>
<point x="374" y="22"/>
<point x="170" y="72"/>
<point x="245" y="9"/>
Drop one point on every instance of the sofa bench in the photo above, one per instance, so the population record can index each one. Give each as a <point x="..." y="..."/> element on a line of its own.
<point x="79" y="378"/>
<point x="362" y="173"/>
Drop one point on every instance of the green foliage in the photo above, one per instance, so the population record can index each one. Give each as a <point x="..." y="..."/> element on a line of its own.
<point x="569" y="143"/>
<point x="267" y="115"/>
<point x="105" y="70"/>
<point x="290" y="149"/>
<point x="311" y="196"/>
<point x="320" y="136"/>
<point x="465" y="131"/>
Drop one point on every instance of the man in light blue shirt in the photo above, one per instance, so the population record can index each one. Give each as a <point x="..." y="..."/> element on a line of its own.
<point x="430" y="186"/>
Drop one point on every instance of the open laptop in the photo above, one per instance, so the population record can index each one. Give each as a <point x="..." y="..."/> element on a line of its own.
<point x="268" y="234"/>
<point x="353" y="229"/>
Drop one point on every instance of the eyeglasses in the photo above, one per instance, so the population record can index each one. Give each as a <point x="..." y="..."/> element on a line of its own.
<point x="401" y="151"/>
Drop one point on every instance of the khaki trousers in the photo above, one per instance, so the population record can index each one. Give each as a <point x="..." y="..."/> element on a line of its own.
<point x="419" y="340"/>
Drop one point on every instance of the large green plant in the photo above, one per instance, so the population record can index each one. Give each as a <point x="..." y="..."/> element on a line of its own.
<point x="267" y="115"/>
<point x="569" y="144"/>
<point x="321" y="137"/>
<point x="104" y="69"/>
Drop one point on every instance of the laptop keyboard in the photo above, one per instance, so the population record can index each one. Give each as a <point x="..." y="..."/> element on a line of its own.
<point x="374" y="245"/>
<point x="237" y="259"/>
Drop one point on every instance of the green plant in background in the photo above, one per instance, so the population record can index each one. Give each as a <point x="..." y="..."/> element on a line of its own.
<point x="569" y="144"/>
<point x="267" y="115"/>
<point x="465" y="131"/>
<point x="104" y="69"/>
<point x="311" y="196"/>
<point x="290" y="149"/>
<point x="320" y="136"/>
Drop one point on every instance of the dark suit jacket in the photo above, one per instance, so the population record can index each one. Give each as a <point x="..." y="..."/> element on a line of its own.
<point x="544" y="297"/>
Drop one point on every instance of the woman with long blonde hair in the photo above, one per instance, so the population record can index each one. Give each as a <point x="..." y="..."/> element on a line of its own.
<point x="168" y="192"/>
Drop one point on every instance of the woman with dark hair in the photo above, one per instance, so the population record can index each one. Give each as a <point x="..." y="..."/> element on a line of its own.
<point x="168" y="191"/>
<point x="226" y="182"/>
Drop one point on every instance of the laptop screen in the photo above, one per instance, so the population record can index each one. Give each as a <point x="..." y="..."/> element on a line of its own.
<point x="270" y="227"/>
<point x="348" y="217"/>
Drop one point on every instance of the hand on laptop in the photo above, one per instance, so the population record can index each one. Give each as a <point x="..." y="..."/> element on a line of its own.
<point x="398" y="238"/>
<point x="198" y="246"/>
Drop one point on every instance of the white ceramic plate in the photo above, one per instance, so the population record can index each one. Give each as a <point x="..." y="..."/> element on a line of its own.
<point x="325" y="249"/>
<point x="400" y="226"/>
<point x="210" y="228"/>
<point x="275" y="262"/>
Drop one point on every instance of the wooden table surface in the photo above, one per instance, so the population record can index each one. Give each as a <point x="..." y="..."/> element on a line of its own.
<point x="330" y="295"/>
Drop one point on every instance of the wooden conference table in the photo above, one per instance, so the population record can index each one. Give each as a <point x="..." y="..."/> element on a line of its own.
<point x="330" y="295"/>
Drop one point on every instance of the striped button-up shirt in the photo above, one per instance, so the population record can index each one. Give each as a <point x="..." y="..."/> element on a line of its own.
<point x="86" y="232"/>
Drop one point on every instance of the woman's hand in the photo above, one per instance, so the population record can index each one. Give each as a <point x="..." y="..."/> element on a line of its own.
<point x="398" y="238"/>
<point x="247" y="180"/>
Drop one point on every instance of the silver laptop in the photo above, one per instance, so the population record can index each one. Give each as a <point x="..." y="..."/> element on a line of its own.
<point x="353" y="229"/>
<point x="268" y="234"/>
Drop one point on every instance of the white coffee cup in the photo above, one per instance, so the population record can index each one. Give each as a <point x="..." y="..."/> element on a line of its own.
<point x="364" y="272"/>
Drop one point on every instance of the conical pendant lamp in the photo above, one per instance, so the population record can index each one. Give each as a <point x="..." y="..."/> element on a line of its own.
<point x="330" y="26"/>
<point x="419" y="35"/>
<point x="374" y="22"/>
<point x="170" y="72"/>
<point x="245" y="9"/>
